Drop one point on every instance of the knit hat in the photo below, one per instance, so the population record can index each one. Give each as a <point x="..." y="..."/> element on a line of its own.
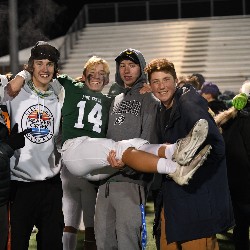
<point x="43" y="50"/>
<point x="245" y="88"/>
<point x="128" y="54"/>
<point x="210" y="88"/>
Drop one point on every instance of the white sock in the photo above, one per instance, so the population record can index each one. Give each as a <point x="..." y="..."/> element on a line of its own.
<point x="169" y="151"/>
<point x="69" y="241"/>
<point x="166" y="166"/>
<point x="151" y="148"/>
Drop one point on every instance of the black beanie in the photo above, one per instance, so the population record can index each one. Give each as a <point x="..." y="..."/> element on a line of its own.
<point x="43" y="50"/>
<point x="128" y="55"/>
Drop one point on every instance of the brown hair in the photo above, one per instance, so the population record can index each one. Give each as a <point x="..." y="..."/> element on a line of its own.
<point x="160" y="64"/>
<point x="193" y="80"/>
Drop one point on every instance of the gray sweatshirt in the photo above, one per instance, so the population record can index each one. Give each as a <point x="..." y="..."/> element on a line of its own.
<point x="132" y="115"/>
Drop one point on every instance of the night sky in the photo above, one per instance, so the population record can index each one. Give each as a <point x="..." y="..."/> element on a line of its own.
<point x="39" y="19"/>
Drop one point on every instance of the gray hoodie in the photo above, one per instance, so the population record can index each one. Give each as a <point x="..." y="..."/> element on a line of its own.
<point x="132" y="115"/>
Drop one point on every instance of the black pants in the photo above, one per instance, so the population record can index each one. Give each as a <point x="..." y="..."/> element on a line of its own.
<point x="241" y="229"/>
<point x="37" y="203"/>
<point x="3" y="226"/>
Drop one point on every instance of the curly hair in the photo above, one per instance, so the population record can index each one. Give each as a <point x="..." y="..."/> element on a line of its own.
<point x="160" y="64"/>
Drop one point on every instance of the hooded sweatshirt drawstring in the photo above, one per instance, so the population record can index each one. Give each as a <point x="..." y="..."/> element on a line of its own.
<point x="40" y="111"/>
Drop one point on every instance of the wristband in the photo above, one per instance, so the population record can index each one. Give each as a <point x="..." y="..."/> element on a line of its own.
<point x="3" y="80"/>
<point x="25" y="75"/>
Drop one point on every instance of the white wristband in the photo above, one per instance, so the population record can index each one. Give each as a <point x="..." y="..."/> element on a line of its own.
<point x="3" y="80"/>
<point x="25" y="75"/>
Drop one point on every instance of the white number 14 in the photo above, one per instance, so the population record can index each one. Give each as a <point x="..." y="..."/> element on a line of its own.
<point x="94" y="116"/>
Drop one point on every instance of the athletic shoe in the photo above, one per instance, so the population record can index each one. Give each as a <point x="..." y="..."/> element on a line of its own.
<point x="187" y="147"/>
<point x="183" y="174"/>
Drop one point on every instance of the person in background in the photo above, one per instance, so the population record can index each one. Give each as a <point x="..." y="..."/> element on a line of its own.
<point x="227" y="97"/>
<point x="210" y="92"/>
<point x="201" y="79"/>
<point x="36" y="188"/>
<point x="193" y="80"/>
<point x="189" y="222"/>
<point x="235" y="124"/>
<point x="8" y="143"/>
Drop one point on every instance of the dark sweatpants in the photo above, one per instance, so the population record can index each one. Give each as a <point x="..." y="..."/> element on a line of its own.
<point x="37" y="203"/>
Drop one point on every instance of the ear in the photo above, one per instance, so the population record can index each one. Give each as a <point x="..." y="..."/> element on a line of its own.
<point x="83" y="78"/>
<point x="176" y="82"/>
<point x="106" y="80"/>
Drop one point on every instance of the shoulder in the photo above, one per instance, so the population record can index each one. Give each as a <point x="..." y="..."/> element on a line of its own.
<point x="64" y="78"/>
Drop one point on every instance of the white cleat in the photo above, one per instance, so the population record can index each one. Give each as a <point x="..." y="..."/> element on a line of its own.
<point x="187" y="147"/>
<point x="183" y="174"/>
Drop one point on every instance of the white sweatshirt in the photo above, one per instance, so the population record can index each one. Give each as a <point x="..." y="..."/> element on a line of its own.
<point x="37" y="160"/>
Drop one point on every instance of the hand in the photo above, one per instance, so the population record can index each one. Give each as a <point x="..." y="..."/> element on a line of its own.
<point x="240" y="101"/>
<point x="113" y="162"/>
<point x="17" y="140"/>
<point x="145" y="89"/>
<point x="3" y="132"/>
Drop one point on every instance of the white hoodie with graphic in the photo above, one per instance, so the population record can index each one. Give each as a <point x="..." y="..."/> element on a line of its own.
<point x="38" y="160"/>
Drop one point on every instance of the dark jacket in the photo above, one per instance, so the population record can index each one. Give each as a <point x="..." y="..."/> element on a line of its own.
<point x="5" y="153"/>
<point x="217" y="106"/>
<point x="203" y="207"/>
<point x="236" y="132"/>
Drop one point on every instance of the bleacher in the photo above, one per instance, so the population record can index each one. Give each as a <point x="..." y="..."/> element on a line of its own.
<point x="218" y="47"/>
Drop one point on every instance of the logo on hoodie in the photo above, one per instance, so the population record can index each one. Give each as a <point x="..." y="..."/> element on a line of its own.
<point x="126" y="107"/>
<point x="40" y="119"/>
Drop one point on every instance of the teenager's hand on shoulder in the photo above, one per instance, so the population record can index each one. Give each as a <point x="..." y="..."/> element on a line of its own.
<point x="145" y="89"/>
<point x="240" y="101"/>
<point x="113" y="162"/>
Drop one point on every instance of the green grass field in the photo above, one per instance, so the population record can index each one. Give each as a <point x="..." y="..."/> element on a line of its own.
<point x="225" y="242"/>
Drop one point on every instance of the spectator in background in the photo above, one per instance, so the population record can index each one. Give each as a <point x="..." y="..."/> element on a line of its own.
<point x="210" y="92"/>
<point x="201" y="79"/>
<point x="193" y="80"/>
<point x="8" y="143"/>
<point x="227" y="97"/>
<point x="235" y="125"/>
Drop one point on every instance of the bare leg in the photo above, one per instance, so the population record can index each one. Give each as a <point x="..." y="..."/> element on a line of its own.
<point x="140" y="160"/>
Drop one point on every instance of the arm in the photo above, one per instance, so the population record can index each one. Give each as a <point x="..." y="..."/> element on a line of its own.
<point x="14" y="86"/>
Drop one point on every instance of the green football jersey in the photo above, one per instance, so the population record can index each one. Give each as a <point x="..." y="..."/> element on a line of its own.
<point x="84" y="112"/>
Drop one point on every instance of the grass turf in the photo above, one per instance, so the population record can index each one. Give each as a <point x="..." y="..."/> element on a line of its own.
<point x="225" y="241"/>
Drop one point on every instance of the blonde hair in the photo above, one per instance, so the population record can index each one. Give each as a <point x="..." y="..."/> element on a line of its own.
<point x="94" y="60"/>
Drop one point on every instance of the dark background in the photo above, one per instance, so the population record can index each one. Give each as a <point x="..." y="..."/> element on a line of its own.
<point x="39" y="20"/>
<point x="49" y="19"/>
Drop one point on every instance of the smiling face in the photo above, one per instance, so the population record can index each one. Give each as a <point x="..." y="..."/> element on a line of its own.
<point x="96" y="73"/>
<point x="162" y="78"/>
<point x="96" y="77"/>
<point x="129" y="72"/>
<point x="43" y="71"/>
<point x="163" y="86"/>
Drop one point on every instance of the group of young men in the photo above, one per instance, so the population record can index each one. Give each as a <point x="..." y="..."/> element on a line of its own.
<point x="74" y="116"/>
